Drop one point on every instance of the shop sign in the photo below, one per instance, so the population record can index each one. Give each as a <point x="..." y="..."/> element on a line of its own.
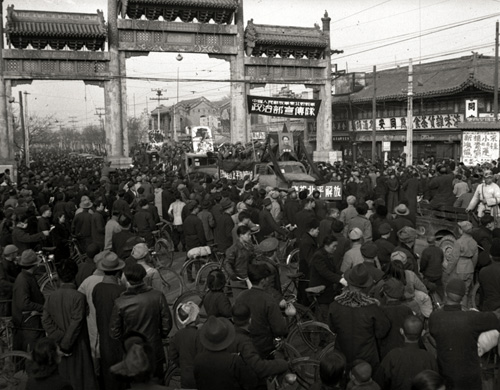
<point x="386" y="146"/>
<point x="471" y="108"/>
<point x="480" y="146"/>
<point x="341" y="138"/>
<point x="284" y="107"/>
<point x="329" y="191"/>
<point x="420" y="122"/>
<point x="258" y="135"/>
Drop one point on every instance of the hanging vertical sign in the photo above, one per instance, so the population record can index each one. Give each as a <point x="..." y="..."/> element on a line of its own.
<point x="479" y="147"/>
<point x="471" y="108"/>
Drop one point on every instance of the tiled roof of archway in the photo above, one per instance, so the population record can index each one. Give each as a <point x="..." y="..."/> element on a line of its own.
<point x="289" y="36"/>
<point x="54" y="24"/>
<point x="226" y="4"/>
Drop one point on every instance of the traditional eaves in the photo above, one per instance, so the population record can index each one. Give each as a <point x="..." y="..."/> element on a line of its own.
<point x="224" y="4"/>
<point x="433" y="79"/>
<point x="289" y="36"/>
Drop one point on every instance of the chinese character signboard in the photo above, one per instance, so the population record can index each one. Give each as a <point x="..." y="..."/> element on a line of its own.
<point x="480" y="146"/>
<point x="328" y="191"/>
<point x="258" y="135"/>
<point x="420" y="122"/>
<point x="471" y="108"/>
<point x="291" y="108"/>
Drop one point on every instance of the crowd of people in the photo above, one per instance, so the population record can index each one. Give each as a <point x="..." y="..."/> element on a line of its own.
<point x="399" y="307"/>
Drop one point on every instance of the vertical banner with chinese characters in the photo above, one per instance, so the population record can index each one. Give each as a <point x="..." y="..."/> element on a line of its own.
<point x="291" y="108"/>
<point x="480" y="146"/>
<point x="471" y="108"/>
<point x="329" y="191"/>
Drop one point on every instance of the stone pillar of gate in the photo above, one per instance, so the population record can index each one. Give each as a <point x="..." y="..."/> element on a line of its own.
<point x="7" y="160"/>
<point x="115" y="97"/>
<point x="239" y="132"/>
<point x="324" y="118"/>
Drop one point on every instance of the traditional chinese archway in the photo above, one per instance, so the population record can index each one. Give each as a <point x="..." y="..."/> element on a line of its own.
<point x="128" y="35"/>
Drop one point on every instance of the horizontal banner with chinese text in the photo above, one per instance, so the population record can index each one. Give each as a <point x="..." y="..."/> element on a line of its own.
<point x="285" y="107"/>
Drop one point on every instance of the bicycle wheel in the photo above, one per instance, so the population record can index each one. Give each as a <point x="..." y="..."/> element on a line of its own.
<point x="193" y="296"/>
<point x="48" y="286"/>
<point x="173" y="377"/>
<point x="189" y="271"/>
<point x="292" y="260"/>
<point x="309" y="338"/>
<point x="164" y="252"/>
<point x="13" y="369"/>
<point x="172" y="284"/>
<point x="307" y="371"/>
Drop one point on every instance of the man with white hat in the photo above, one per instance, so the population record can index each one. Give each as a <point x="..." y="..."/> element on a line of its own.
<point x="353" y="256"/>
<point x="463" y="259"/>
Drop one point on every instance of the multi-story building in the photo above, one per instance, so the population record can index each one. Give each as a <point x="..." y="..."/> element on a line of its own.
<point x="442" y="92"/>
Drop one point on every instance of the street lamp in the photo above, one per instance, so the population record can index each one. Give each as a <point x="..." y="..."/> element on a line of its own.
<point x="178" y="58"/>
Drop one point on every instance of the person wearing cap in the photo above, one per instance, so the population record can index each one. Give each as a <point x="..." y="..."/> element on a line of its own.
<point x="291" y="207"/>
<point x="243" y="346"/>
<point x="208" y="221"/>
<point x="267" y="224"/>
<point x="140" y="254"/>
<point x="224" y="225"/>
<point x="120" y="239"/>
<point x="81" y="226"/>
<point x="143" y="222"/>
<point x="194" y="232"/>
<point x="489" y="280"/>
<point x="403" y="363"/>
<point x="353" y="256"/>
<point x="401" y="218"/>
<point x="326" y="224"/>
<point x="267" y="322"/>
<point x="27" y="304"/>
<point x="99" y="223"/>
<point x="44" y="222"/>
<point x="64" y="321"/>
<point x="392" y="304"/>
<point x="308" y="245"/>
<point x="361" y="222"/>
<point x="456" y="332"/>
<point x="103" y="299"/>
<point x="350" y="211"/>
<point x="431" y="266"/>
<point x="9" y="270"/>
<point x="238" y="257"/>
<point x="304" y="217"/>
<point x="175" y="213"/>
<point x="463" y="259"/>
<point x="486" y="197"/>
<point x="369" y="251"/>
<point x="216" y="367"/>
<point x="142" y="309"/>
<point x="385" y="247"/>
<point x="357" y="318"/>
<point x="393" y="186"/>
<point x="407" y="237"/>
<point x="185" y="344"/>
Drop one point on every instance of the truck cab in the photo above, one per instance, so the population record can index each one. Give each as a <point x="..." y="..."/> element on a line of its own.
<point x="293" y="171"/>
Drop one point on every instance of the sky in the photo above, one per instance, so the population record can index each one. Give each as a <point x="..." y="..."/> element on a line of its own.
<point x="384" y="33"/>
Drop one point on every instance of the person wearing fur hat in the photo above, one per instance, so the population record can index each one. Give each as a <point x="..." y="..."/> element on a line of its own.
<point x="456" y="332"/>
<point x="489" y="280"/>
<point x="357" y="319"/>
<point x="463" y="259"/>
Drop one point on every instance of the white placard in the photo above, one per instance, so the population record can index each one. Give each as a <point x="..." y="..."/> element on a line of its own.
<point x="480" y="146"/>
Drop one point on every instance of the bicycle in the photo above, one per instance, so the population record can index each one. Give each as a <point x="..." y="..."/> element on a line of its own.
<point x="172" y="283"/>
<point x="196" y="259"/>
<point x="13" y="373"/>
<point x="48" y="280"/>
<point x="76" y="254"/>
<point x="164" y="246"/>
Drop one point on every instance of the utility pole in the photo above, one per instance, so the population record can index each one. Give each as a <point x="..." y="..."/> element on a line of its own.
<point x="100" y="111"/>
<point x="409" y="120"/>
<point x="374" y="115"/>
<point x="159" y="97"/>
<point x="495" y="82"/>
<point x="26" y="115"/>
<point x="25" y="131"/>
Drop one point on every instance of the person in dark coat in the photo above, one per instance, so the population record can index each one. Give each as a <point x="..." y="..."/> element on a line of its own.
<point x="81" y="226"/>
<point x="443" y="187"/>
<point x="483" y="236"/>
<point x="267" y="322"/>
<point x="185" y="344"/>
<point x="60" y="237"/>
<point x="431" y="266"/>
<point x="43" y="370"/>
<point x="27" y="304"/>
<point x="144" y="310"/>
<point x="325" y="271"/>
<point x="393" y="307"/>
<point x="267" y="224"/>
<point x="291" y="207"/>
<point x="400" y="220"/>
<point x="216" y="368"/>
<point x="392" y="183"/>
<point x="381" y="187"/>
<point x="87" y="266"/>
<point x="98" y="224"/>
<point x="224" y="225"/>
<point x="456" y="333"/>
<point x="22" y="239"/>
<point x="120" y="239"/>
<point x="104" y="295"/>
<point x="357" y="319"/>
<point x="307" y="247"/>
<point x="402" y="364"/>
<point x="64" y="320"/>
<point x="385" y="247"/>
<point x="379" y="218"/>
<point x="411" y="190"/>
<point x="194" y="232"/>
<point x="489" y="280"/>
<point x="9" y="270"/>
<point x="216" y="302"/>
<point x="304" y="217"/>
<point x="144" y="223"/>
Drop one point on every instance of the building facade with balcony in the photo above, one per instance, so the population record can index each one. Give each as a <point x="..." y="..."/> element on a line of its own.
<point x="443" y="93"/>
